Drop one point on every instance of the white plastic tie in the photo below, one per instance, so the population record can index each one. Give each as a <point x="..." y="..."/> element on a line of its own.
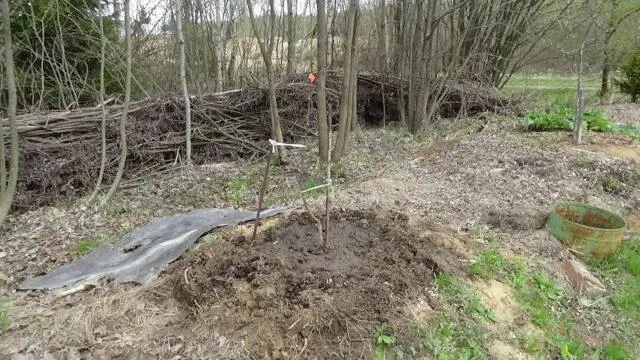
<point x="318" y="187"/>
<point x="275" y="143"/>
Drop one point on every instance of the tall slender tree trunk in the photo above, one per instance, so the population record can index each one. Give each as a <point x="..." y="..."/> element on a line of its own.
<point x="382" y="37"/>
<point x="267" y="50"/>
<point x="183" y="80"/>
<point x="6" y="197"/>
<point x="291" y="37"/>
<point x="414" y="74"/>
<point x="125" y="108"/>
<point x="217" y="51"/>
<point x="324" y="125"/>
<point x="103" y="115"/>
<point x="344" y="126"/>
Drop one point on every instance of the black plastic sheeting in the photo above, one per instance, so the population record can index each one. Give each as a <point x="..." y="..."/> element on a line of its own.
<point x="142" y="254"/>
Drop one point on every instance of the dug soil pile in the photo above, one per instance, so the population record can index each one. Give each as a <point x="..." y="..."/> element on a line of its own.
<point x="287" y="296"/>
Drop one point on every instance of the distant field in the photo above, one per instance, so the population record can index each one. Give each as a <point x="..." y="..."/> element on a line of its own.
<point x="545" y="90"/>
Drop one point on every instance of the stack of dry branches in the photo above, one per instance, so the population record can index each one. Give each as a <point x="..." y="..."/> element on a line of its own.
<point x="60" y="151"/>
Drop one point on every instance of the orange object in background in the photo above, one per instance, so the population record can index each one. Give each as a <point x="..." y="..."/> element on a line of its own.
<point x="312" y="78"/>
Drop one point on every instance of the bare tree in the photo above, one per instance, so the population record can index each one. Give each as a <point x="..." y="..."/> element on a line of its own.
<point x="125" y="110"/>
<point x="103" y="115"/>
<point x="323" y="125"/>
<point x="6" y="196"/>
<point x="267" y="51"/>
<point x="183" y="79"/>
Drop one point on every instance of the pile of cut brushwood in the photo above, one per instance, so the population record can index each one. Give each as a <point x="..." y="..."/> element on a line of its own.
<point x="60" y="151"/>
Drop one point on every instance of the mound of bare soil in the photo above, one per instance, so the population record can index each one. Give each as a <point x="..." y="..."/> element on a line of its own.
<point x="288" y="296"/>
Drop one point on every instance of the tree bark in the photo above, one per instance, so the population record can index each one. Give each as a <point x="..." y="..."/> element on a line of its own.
<point x="291" y="38"/>
<point x="6" y="197"/>
<point x="382" y="37"/>
<point x="347" y="83"/>
<point x="103" y="115"/>
<point x="321" y="93"/>
<point x="183" y="80"/>
<point x="217" y="51"/>
<point x="415" y="119"/>
<point x="125" y="109"/>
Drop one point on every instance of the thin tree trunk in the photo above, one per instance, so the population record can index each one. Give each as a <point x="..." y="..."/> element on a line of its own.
<point x="382" y="37"/>
<point x="353" y="116"/>
<point x="291" y="38"/>
<point x="323" y="127"/>
<point x="347" y="79"/>
<point x="125" y="108"/>
<point x="333" y="34"/>
<point x="6" y="197"/>
<point x="606" y="64"/>
<point x="103" y="115"/>
<point x="267" y="52"/>
<point x="217" y="28"/>
<point x="183" y="80"/>
<point x="414" y="73"/>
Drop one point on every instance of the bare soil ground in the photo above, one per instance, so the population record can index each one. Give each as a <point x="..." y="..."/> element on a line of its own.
<point x="406" y="209"/>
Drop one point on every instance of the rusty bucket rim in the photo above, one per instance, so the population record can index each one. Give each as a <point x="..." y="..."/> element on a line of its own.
<point x="615" y="229"/>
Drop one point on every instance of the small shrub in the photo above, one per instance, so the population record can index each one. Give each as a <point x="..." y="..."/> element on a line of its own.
<point x="630" y="82"/>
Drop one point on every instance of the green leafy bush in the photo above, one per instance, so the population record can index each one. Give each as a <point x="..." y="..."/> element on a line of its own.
<point x="562" y="118"/>
<point x="630" y="82"/>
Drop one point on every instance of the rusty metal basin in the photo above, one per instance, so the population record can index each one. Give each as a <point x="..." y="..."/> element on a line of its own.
<point x="587" y="229"/>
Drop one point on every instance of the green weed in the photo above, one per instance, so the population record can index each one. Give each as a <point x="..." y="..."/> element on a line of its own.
<point x="453" y="339"/>
<point x="612" y="186"/>
<point x="489" y="262"/>
<point x="384" y="341"/>
<point x="236" y="189"/>
<point x="580" y="161"/>
<point x="210" y="239"/>
<point x="86" y="246"/>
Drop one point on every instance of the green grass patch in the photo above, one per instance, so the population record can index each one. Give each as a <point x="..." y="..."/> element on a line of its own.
<point x="542" y="299"/>
<point x="489" y="262"/>
<point x="453" y="338"/>
<point x="623" y="271"/>
<point x="550" y="90"/>
<point x="310" y="184"/>
<point x="236" y="189"/>
<point x="4" y="313"/>
<point x="86" y="246"/>
<point x="615" y="351"/>
<point x="459" y="330"/>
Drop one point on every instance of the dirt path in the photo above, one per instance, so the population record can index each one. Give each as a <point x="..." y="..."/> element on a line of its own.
<point x="406" y="210"/>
